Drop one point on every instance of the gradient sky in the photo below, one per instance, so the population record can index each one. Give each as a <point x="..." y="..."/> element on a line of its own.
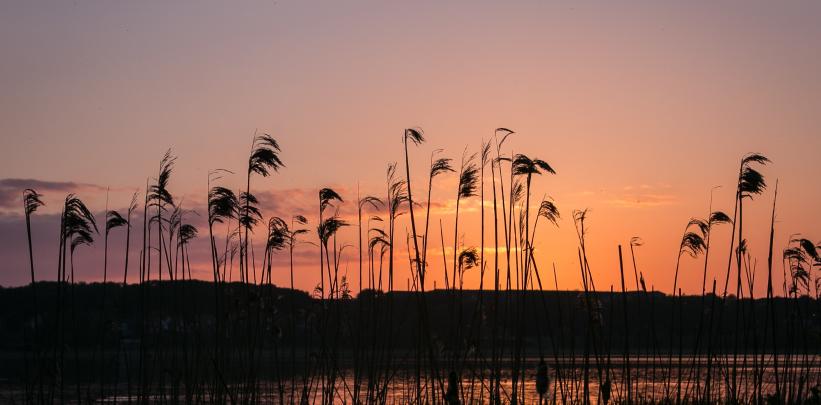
<point x="642" y="109"/>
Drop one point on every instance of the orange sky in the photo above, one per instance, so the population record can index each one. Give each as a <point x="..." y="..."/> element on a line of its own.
<point x="640" y="108"/>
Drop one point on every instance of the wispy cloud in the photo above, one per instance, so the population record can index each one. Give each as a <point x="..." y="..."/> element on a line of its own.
<point x="643" y="200"/>
<point x="11" y="190"/>
<point x="640" y="196"/>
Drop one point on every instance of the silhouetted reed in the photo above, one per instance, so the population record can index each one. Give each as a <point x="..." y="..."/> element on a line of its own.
<point x="156" y="341"/>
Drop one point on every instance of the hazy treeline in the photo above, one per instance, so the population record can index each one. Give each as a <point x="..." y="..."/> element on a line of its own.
<point x="122" y="316"/>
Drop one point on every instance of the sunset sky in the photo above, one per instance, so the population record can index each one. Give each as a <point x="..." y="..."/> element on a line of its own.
<point x="641" y="108"/>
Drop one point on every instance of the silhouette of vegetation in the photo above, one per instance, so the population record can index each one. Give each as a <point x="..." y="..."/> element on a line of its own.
<point x="239" y="338"/>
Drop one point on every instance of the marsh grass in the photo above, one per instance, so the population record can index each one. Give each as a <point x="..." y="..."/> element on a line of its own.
<point x="517" y="342"/>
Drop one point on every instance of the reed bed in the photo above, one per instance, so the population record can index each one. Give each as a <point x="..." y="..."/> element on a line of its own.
<point x="240" y="339"/>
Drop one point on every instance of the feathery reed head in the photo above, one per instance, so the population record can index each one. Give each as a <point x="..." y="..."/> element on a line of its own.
<point x="485" y="153"/>
<point x="327" y="197"/>
<point x="751" y="181"/>
<point x="719" y="217"/>
<point x="159" y="190"/>
<point x="505" y="133"/>
<point x="699" y="224"/>
<point x="549" y="211"/>
<point x="222" y="205"/>
<point x="416" y="135"/>
<point x="31" y="201"/>
<point x="517" y="191"/>
<point x="374" y="202"/>
<point x="810" y="249"/>
<point x="78" y="223"/>
<point x="114" y="220"/>
<point x="468" y="176"/>
<point x="133" y="205"/>
<point x="692" y="244"/>
<point x="81" y="239"/>
<point x="77" y="217"/>
<point x="397" y="191"/>
<point x="440" y="166"/>
<point x="278" y="234"/>
<point x="523" y="165"/>
<point x="468" y="180"/>
<point x="329" y="227"/>
<point x="754" y="158"/>
<point x="187" y="232"/>
<point x="264" y="156"/>
<point x="380" y="239"/>
<point x="742" y="247"/>
<point x="798" y="262"/>
<point x="249" y="210"/>
<point x="580" y="216"/>
<point x="468" y="258"/>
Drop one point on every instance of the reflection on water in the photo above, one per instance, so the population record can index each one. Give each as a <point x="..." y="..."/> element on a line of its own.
<point x="651" y="380"/>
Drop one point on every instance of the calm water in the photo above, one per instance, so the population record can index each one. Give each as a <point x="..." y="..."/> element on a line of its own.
<point x="648" y="382"/>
